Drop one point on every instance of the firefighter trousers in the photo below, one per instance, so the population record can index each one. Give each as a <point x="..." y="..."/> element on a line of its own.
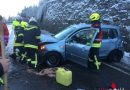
<point x="31" y="57"/>
<point x="18" y="51"/>
<point x="94" y="61"/>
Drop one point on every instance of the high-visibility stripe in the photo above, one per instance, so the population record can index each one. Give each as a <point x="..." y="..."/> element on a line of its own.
<point x="34" y="27"/>
<point x="16" y="53"/>
<point x="88" y="43"/>
<point x="97" y="63"/>
<point x="1" y="81"/>
<point x="28" y="60"/>
<point x="31" y="46"/>
<point x="38" y="37"/>
<point x="97" y="45"/>
<point x="18" y="44"/>
<point x="90" y="60"/>
<point x="21" y="34"/>
<point x="98" y="40"/>
<point x="35" y="62"/>
<point x="24" y="55"/>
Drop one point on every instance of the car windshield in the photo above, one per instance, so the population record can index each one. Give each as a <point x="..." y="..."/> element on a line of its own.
<point x="61" y="35"/>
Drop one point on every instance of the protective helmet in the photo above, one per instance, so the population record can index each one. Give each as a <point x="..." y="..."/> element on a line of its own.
<point x="19" y="18"/>
<point x="94" y="16"/>
<point x="32" y="19"/>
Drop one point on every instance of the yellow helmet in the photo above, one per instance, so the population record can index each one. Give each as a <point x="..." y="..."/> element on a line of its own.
<point x="94" y="16"/>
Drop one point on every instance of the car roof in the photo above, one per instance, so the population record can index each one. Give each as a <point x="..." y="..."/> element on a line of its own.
<point x="84" y="25"/>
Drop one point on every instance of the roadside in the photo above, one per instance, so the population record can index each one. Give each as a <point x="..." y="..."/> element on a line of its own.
<point x="126" y="58"/>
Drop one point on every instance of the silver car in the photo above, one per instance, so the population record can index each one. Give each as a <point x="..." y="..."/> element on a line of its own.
<point x="74" y="43"/>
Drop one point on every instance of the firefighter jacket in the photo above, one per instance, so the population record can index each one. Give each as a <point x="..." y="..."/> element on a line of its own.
<point x="31" y="37"/>
<point x="98" y="39"/>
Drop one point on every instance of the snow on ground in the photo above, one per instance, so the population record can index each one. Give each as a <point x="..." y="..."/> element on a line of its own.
<point x="9" y="48"/>
<point x="126" y="58"/>
<point x="126" y="54"/>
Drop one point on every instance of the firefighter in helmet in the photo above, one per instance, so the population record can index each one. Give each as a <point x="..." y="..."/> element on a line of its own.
<point x="31" y="40"/>
<point x="94" y="61"/>
<point x="18" y="41"/>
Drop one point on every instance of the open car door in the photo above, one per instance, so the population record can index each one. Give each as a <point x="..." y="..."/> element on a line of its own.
<point x="78" y="45"/>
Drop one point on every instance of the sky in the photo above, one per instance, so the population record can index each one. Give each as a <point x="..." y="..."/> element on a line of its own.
<point x="12" y="7"/>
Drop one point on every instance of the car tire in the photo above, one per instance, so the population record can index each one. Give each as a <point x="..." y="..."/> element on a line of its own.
<point x="115" y="56"/>
<point x="53" y="59"/>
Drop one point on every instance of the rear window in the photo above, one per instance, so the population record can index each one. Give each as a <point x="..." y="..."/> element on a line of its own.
<point x="109" y="33"/>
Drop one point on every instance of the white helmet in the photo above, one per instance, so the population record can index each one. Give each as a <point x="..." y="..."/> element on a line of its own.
<point x="19" y="18"/>
<point x="32" y="19"/>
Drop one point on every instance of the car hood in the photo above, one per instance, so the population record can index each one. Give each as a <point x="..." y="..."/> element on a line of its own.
<point x="47" y="38"/>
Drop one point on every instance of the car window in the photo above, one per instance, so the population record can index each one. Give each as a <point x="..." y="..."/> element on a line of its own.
<point x="105" y="33"/>
<point x="64" y="33"/>
<point x="113" y="33"/>
<point x="109" y="33"/>
<point x="83" y="37"/>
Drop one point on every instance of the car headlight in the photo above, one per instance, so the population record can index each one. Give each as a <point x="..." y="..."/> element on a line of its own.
<point x="43" y="47"/>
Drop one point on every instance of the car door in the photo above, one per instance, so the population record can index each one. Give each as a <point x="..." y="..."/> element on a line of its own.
<point x="78" y="46"/>
<point x="109" y="40"/>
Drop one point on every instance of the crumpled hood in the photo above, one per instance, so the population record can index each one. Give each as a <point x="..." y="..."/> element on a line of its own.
<point x="47" y="38"/>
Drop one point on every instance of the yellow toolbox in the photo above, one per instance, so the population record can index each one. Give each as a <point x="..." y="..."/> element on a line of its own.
<point x="63" y="76"/>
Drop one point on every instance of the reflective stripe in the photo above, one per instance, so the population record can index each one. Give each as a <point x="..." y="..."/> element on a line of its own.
<point x="20" y="34"/>
<point x="88" y="43"/>
<point x="90" y="60"/>
<point x="31" y="46"/>
<point x="18" y="44"/>
<point x="97" y="45"/>
<point x="1" y="81"/>
<point x="28" y="60"/>
<point x="38" y="37"/>
<point x="34" y="27"/>
<point x="98" y="39"/>
<point x="35" y="62"/>
<point x="24" y="56"/>
<point x="16" y="53"/>
<point x="97" y="63"/>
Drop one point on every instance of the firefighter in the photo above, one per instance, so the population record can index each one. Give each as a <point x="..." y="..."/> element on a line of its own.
<point x="18" y="42"/>
<point x="31" y="40"/>
<point x="94" y="62"/>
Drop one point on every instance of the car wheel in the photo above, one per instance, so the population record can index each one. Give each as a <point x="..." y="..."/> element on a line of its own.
<point x="53" y="59"/>
<point x="115" y="56"/>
